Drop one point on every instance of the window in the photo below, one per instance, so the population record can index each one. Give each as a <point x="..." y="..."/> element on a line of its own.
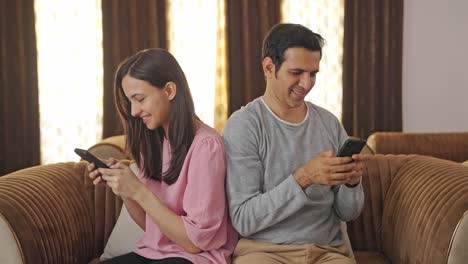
<point x="69" y="50"/>
<point x="70" y="64"/>
<point x="326" y="18"/>
<point x="193" y="42"/>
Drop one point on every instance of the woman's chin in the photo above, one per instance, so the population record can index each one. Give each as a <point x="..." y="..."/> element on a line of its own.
<point x="150" y="127"/>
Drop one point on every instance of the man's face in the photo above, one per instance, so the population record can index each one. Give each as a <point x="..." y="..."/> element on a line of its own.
<point x="295" y="78"/>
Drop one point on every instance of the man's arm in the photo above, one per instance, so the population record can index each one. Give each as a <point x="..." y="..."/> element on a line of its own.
<point x="349" y="200"/>
<point x="343" y="173"/>
<point x="253" y="207"/>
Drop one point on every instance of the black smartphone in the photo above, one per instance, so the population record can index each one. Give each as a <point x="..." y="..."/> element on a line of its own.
<point x="351" y="146"/>
<point x="90" y="158"/>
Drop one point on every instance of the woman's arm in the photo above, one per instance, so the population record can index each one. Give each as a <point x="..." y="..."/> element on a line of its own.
<point x="136" y="212"/>
<point x="134" y="193"/>
<point x="169" y="223"/>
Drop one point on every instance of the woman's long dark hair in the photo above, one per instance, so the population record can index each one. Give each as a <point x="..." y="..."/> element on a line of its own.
<point x="157" y="67"/>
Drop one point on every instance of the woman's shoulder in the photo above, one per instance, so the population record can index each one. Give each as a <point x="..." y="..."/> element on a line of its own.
<point x="206" y="134"/>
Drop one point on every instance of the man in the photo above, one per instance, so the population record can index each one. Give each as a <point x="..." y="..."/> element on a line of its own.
<point x="287" y="191"/>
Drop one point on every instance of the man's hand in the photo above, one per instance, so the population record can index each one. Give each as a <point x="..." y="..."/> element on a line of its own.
<point x="326" y="169"/>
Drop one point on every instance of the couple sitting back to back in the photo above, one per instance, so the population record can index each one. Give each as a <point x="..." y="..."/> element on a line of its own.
<point x="285" y="192"/>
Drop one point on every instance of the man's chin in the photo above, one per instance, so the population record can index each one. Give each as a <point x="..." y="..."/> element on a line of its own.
<point x="296" y="101"/>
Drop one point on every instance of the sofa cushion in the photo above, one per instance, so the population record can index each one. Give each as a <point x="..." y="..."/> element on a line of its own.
<point x="123" y="237"/>
<point x="9" y="250"/>
<point x="458" y="250"/>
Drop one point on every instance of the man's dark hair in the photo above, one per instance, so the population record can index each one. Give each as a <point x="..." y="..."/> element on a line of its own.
<point x="285" y="35"/>
<point x="157" y="67"/>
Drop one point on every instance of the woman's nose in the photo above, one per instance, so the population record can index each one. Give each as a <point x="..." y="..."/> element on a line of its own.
<point x="135" y="111"/>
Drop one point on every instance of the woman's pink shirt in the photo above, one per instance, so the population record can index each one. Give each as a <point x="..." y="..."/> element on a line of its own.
<point x="198" y="196"/>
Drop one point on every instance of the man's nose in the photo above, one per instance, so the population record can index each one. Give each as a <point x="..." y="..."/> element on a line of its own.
<point x="306" y="81"/>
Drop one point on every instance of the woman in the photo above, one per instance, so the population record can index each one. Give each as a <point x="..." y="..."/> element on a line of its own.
<point x="178" y="198"/>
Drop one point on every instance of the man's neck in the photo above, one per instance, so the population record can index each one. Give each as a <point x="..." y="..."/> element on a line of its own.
<point x="283" y="111"/>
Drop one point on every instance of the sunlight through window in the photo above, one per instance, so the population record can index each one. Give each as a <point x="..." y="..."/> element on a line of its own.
<point x="70" y="69"/>
<point x="192" y="41"/>
<point x="326" y="18"/>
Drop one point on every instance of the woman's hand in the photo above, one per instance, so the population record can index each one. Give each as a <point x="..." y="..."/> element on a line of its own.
<point x="95" y="175"/>
<point x="122" y="180"/>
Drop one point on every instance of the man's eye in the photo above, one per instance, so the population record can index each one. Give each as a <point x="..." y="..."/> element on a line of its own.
<point x="313" y="74"/>
<point x="296" y="73"/>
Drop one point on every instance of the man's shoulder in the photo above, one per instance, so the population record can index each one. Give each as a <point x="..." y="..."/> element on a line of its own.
<point x="323" y="113"/>
<point x="246" y="114"/>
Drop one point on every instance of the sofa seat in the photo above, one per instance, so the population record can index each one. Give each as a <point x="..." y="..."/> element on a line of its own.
<point x="369" y="257"/>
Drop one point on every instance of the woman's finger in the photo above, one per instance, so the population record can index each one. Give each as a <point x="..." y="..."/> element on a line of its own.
<point x="97" y="181"/>
<point x="110" y="172"/>
<point x="107" y="178"/>
<point x="90" y="167"/>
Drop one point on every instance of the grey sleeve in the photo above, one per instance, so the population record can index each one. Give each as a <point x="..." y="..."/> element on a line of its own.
<point x="349" y="202"/>
<point x="253" y="209"/>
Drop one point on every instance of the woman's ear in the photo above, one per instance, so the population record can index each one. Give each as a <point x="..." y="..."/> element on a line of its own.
<point x="171" y="90"/>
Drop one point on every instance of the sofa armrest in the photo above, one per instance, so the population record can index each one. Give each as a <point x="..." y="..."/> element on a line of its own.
<point x="50" y="211"/>
<point x="424" y="203"/>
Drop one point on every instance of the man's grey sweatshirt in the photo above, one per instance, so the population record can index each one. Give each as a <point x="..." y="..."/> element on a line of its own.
<point x="265" y="201"/>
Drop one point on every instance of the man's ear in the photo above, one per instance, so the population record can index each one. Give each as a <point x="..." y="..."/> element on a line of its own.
<point x="171" y="90"/>
<point x="268" y="68"/>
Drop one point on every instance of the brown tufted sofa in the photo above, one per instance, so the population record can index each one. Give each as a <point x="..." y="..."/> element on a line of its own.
<point x="413" y="210"/>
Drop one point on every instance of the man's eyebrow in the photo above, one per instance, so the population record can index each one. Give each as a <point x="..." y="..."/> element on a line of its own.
<point x="302" y="70"/>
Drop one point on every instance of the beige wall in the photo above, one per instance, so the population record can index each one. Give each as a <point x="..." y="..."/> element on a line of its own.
<point x="435" y="66"/>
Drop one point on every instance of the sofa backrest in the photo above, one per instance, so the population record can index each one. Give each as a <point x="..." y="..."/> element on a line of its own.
<point x="451" y="146"/>
<point x="110" y="147"/>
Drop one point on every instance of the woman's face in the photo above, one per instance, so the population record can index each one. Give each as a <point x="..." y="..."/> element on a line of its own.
<point x="149" y="103"/>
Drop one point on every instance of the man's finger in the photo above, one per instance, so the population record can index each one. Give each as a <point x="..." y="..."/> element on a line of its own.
<point x="341" y="176"/>
<point x="327" y="153"/>
<point x="339" y="160"/>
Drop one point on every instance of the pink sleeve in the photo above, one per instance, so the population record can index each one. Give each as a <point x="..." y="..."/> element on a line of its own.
<point x="204" y="200"/>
